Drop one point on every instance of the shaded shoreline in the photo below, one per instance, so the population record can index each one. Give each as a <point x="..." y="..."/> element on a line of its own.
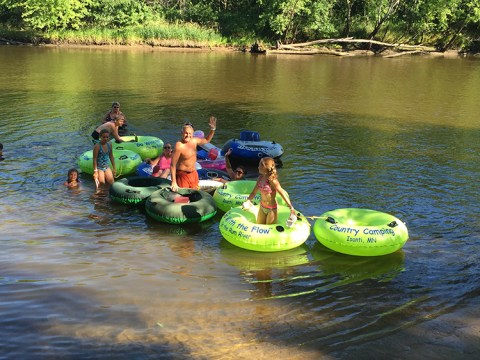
<point x="205" y="48"/>
<point x="149" y="48"/>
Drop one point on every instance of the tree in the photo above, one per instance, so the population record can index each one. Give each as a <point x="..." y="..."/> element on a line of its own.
<point x="50" y="14"/>
<point x="297" y="19"/>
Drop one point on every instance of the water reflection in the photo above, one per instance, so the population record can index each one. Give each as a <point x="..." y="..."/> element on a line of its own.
<point x="358" y="268"/>
<point x="105" y="274"/>
<point x="269" y="272"/>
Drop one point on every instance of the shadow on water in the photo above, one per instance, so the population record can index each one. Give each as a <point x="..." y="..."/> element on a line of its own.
<point x="348" y="301"/>
<point x="335" y="157"/>
<point x="104" y="332"/>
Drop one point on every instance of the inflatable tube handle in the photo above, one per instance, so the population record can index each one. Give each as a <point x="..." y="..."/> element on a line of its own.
<point x="393" y="224"/>
<point x="331" y="220"/>
<point x="212" y="174"/>
<point x="123" y="157"/>
<point x="132" y="191"/>
<point x="120" y="148"/>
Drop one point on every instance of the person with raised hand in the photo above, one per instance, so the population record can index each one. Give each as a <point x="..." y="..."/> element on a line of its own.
<point x="182" y="169"/>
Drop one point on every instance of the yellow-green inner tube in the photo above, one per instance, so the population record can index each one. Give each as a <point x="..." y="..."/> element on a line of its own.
<point x="361" y="232"/>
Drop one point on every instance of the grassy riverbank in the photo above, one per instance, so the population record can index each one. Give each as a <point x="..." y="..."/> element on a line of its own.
<point x="184" y="36"/>
<point x="153" y="34"/>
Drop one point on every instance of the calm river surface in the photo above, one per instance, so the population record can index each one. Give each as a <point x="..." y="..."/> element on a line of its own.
<point x="83" y="277"/>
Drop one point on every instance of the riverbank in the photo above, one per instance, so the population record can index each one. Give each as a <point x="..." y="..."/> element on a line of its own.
<point x="174" y="47"/>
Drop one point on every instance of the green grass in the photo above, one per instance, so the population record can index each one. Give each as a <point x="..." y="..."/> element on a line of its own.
<point x="154" y="34"/>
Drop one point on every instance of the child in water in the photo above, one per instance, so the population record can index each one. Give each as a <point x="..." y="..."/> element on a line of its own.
<point x="268" y="185"/>
<point x="72" y="179"/>
<point x="103" y="161"/>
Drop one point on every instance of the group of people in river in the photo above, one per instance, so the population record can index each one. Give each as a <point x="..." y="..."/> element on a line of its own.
<point x="179" y="163"/>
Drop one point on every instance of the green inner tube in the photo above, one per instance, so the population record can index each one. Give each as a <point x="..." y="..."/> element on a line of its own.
<point x="162" y="206"/>
<point x="360" y="232"/>
<point x="126" y="162"/>
<point x="239" y="227"/>
<point x="145" y="146"/>
<point x="235" y="193"/>
<point x="136" y="189"/>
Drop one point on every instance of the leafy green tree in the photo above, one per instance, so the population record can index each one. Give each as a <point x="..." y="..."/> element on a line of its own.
<point x="50" y="14"/>
<point x="380" y="13"/>
<point x="297" y="19"/>
<point x="448" y="23"/>
<point x="119" y="13"/>
<point x="464" y="14"/>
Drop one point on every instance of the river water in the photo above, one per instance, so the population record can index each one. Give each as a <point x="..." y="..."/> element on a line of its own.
<point x="84" y="277"/>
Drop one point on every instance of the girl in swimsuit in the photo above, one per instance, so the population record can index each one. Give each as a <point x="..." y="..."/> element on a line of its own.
<point x="102" y="153"/>
<point x="268" y="186"/>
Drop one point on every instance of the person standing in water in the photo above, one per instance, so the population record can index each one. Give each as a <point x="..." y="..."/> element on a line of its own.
<point x="268" y="186"/>
<point x="113" y="113"/>
<point x="102" y="153"/>
<point x="112" y="127"/>
<point x="184" y="157"/>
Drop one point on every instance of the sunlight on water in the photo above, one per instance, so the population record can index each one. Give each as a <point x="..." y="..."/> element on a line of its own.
<point x="82" y="273"/>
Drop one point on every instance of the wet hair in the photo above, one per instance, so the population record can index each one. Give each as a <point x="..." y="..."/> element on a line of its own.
<point x="1" y="146"/>
<point x="103" y="131"/>
<point x="71" y="171"/>
<point x="115" y="103"/>
<point x="269" y="164"/>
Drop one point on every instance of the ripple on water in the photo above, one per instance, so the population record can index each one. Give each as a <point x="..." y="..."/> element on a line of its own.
<point x="84" y="274"/>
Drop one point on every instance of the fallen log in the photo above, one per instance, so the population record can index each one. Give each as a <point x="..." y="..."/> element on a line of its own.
<point x="309" y="52"/>
<point x="311" y="45"/>
<point x="10" y="42"/>
<point x="404" y="53"/>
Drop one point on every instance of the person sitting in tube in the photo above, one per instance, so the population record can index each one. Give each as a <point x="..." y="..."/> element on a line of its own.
<point x="238" y="174"/>
<point x="161" y="164"/>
